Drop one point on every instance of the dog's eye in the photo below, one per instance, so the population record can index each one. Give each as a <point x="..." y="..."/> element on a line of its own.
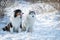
<point x="29" y="13"/>
<point x="34" y="13"/>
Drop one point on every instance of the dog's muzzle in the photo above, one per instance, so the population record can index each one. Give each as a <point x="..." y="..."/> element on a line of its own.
<point x="32" y="16"/>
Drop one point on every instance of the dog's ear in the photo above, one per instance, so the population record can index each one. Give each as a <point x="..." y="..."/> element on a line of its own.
<point x="15" y="15"/>
<point x="32" y="12"/>
<point x="22" y="13"/>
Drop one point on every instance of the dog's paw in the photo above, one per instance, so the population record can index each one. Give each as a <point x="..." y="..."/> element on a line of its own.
<point x="11" y="30"/>
<point x="23" y="28"/>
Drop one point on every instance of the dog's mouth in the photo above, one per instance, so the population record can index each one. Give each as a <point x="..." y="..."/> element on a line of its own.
<point x="21" y="15"/>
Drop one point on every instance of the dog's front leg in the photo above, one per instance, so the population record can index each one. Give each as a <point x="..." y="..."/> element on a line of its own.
<point x="19" y="29"/>
<point x="11" y="30"/>
<point x="27" y="28"/>
<point x="30" y="29"/>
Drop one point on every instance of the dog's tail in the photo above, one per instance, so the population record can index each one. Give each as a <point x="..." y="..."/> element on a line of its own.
<point x="7" y="28"/>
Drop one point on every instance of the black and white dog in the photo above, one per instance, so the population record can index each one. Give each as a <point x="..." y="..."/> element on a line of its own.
<point x="15" y="24"/>
<point x="28" y="24"/>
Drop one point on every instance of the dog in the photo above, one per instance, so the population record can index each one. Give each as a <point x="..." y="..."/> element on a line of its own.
<point x="28" y="23"/>
<point x="15" y="24"/>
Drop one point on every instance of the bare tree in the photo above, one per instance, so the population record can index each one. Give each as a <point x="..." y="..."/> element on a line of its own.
<point x="3" y="5"/>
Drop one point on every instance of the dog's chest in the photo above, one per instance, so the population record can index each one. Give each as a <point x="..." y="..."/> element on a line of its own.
<point x="16" y="22"/>
<point x="30" y="21"/>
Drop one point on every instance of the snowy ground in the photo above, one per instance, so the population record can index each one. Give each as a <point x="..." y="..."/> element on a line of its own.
<point x="46" y="27"/>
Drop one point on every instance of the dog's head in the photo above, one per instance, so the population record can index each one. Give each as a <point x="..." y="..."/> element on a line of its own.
<point x="32" y="13"/>
<point x="18" y="12"/>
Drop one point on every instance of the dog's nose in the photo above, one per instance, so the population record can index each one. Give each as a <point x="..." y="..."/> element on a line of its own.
<point x="32" y="16"/>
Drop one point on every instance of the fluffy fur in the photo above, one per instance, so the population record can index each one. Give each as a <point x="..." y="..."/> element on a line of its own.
<point x="15" y="24"/>
<point x="28" y="24"/>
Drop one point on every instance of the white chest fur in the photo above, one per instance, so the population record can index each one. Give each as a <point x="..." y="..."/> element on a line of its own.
<point x="16" y="22"/>
<point x="29" y="23"/>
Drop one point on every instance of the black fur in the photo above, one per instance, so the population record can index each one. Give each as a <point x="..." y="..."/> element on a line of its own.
<point x="17" y="11"/>
<point x="31" y="12"/>
<point x="7" y="28"/>
<point x="21" y="26"/>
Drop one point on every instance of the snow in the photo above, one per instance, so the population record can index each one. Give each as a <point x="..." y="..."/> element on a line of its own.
<point x="46" y="27"/>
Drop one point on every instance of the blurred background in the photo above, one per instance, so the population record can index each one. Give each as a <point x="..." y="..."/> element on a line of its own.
<point x="7" y="3"/>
